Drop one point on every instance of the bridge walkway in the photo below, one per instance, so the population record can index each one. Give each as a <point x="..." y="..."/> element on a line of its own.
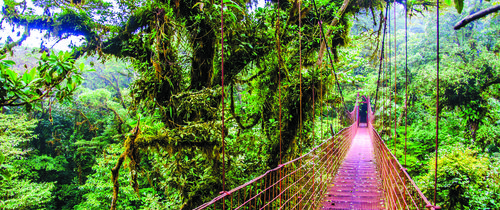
<point x="357" y="184"/>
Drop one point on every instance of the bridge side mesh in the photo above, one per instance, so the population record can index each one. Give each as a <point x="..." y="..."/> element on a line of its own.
<point x="299" y="183"/>
<point x="401" y="192"/>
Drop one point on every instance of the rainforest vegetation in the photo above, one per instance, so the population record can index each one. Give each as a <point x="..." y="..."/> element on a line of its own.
<point x="131" y="116"/>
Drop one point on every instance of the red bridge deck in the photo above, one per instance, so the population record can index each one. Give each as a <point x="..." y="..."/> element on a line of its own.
<point x="357" y="184"/>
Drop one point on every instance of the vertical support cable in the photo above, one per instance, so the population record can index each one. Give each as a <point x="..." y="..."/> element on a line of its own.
<point x="321" y="107"/>
<point x="383" y="93"/>
<point x="395" y="85"/>
<point x="437" y="102"/>
<point x="313" y="116"/>
<point x="222" y="79"/>
<point x="300" y="86"/>
<point x="389" y="94"/>
<point x="381" y="58"/>
<point x="386" y="71"/>
<point x="300" y="75"/>
<point x="406" y="76"/>
<point x="406" y="84"/>
<point x="322" y="101"/>
<point x="279" y="87"/>
<point x="334" y="108"/>
<point x="384" y="75"/>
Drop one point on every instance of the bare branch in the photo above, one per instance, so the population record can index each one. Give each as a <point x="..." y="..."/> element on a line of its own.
<point x="476" y="16"/>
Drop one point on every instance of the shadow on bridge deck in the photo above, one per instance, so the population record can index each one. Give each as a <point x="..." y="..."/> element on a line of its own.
<point x="357" y="184"/>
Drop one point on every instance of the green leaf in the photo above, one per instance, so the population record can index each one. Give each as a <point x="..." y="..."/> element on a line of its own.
<point x="5" y="174"/>
<point x="2" y="158"/>
<point x="7" y="166"/>
<point x="459" y="5"/>
<point x="33" y="73"/>
<point x="27" y="78"/>
<point x="82" y="66"/>
<point x="44" y="55"/>
<point x="48" y="78"/>
<point x="65" y="66"/>
<point x="12" y="75"/>
<point x="9" y="62"/>
<point x="37" y="80"/>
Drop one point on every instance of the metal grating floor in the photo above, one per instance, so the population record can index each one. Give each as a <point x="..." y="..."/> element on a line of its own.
<point x="357" y="184"/>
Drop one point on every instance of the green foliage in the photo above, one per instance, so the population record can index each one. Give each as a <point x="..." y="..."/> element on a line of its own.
<point x="55" y="74"/>
<point x="19" y="191"/>
<point x="169" y="54"/>
<point x="489" y="132"/>
<point x="98" y="188"/>
<point x="25" y="194"/>
<point x="29" y="168"/>
<point x="14" y="133"/>
<point x="94" y="98"/>
<point x="4" y="173"/>
<point x="464" y="179"/>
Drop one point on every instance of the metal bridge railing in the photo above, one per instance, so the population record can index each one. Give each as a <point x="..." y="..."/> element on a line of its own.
<point x="400" y="190"/>
<point x="297" y="184"/>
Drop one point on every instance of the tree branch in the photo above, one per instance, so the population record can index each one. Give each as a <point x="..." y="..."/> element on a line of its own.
<point x="476" y="16"/>
<point x="9" y="46"/>
<point x="130" y="149"/>
<point x="256" y="116"/>
<point x="490" y="83"/>
<point x="116" y="87"/>
<point x="70" y="22"/>
<point x="333" y="23"/>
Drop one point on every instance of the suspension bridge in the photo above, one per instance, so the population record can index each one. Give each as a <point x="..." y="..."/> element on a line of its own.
<point x="353" y="169"/>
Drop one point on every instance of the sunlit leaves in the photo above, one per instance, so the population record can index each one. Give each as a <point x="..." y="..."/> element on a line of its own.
<point x="460" y="171"/>
<point x="56" y="75"/>
<point x="19" y="192"/>
<point x="25" y="194"/>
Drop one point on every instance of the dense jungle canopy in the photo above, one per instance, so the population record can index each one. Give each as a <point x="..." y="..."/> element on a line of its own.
<point x="131" y="116"/>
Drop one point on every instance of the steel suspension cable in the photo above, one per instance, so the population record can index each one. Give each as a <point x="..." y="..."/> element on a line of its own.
<point x="313" y="116"/>
<point x="318" y="16"/>
<point x="384" y="82"/>
<point x="383" y="93"/>
<point x="389" y="94"/>
<point x="406" y="76"/>
<point x="320" y="107"/>
<point x="395" y="83"/>
<point x="386" y="67"/>
<point x="334" y="107"/>
<point x="222" y="79"/>
<point x="300" y="75"/>
<point x="279" y="87"/>
<point x="381" y="59"/>
<point x="437" y="103"/>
